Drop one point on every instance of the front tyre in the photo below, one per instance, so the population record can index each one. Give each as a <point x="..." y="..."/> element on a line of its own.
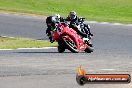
<point x="71" y="45"/>
<point x="61" y="46"/>
<point x="61" y="49"/>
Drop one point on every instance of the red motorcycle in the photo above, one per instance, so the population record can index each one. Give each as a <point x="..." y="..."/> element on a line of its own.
<point x="68" y="38"/>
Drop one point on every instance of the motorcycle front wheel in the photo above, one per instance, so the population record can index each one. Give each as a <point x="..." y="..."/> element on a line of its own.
<point x="61" y="49"/>
<point x="61" y="46"/>
<point x="71" y="45"/>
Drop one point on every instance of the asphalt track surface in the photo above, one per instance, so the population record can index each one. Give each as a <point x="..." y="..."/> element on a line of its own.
<point x="46" y="68"/>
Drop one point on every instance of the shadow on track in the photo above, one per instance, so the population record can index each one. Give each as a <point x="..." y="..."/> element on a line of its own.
<point x="46" y="52"/>
<point x="41" y="52"/>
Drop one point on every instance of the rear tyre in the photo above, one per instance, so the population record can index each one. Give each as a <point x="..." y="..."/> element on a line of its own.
<point x="89" y="50"/>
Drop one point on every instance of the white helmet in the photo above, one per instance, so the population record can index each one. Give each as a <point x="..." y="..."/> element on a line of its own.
<point x="57" y="17"/>
<point x="54" y="19"/>
<point x="72" y="15"/>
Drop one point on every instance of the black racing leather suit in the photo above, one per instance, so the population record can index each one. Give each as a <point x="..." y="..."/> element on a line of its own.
<point x="50" y="26"/>
<point x="73" y="25"/>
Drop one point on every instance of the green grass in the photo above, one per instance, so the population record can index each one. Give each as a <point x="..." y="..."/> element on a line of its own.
<point x="99" y="10"/>
<point x="14" y="43"/>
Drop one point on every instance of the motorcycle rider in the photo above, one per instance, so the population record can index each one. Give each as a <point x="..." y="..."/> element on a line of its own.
<point x="74" y="22"/>
<point x="52" y="22"/>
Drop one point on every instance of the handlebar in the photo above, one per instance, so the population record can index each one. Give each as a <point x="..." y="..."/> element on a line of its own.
<point x="81" y="19"/>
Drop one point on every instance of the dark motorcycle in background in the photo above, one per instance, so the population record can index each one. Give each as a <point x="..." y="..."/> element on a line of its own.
<point x="85" y="29"/>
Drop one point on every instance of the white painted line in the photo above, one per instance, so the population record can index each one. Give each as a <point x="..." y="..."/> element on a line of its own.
<point x="104" y="23"/>
<point x="24" y="15"/>
<point x="95" y="22"/>
<point x="92" y="21"/>
<point x="117" y="24"/>
<point x="6" y="49"/>
<point x="11" y="37"/>
<point x="37" y="48"/>
<point x="49" y="47"/>
<point x="4" y="36"/>
<point x="129" y="25"/>
<point x="108" y="69"/>
<point x="28" y="48"/>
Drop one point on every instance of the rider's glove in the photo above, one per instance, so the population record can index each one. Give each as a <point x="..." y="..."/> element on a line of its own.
<point x="91" y="34"/>
<point x="51" y="40"/>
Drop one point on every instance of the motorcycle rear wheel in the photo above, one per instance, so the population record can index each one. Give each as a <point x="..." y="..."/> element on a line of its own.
<point x="89" y="50"/>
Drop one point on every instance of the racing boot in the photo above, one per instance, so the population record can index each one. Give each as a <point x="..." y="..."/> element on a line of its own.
<point x="87" y="41"/>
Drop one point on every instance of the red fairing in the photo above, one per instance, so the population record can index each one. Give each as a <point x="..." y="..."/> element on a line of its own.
<point x="64" y="32"/>
<point x="55" y="35"/>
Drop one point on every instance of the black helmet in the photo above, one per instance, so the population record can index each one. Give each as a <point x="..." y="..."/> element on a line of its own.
<point x="72" y="14"/>
<point x="50" y="19"/>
